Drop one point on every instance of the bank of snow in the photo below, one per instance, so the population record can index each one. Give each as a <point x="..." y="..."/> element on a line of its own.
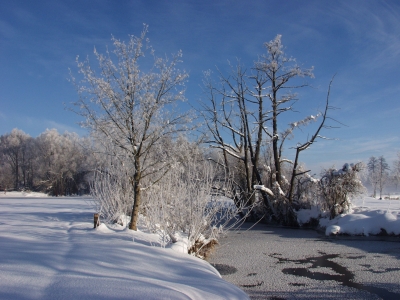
<point x="368" y="216"/>
<point x="49" y="250"/>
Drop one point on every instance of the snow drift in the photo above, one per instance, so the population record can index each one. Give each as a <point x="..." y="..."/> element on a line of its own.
<point x="49" y="250"/>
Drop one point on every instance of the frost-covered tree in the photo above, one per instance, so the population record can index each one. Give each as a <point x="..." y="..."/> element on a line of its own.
<point x="378" y="173"/>
<point x="243" y="120"/>
<point x="14" y="150"/>
<point x="373" y="173"/>
<point x="52" y="162"/>
<point x="129" y="100"/>
<point x="395" y="174"/>
<point x="383" y="168"/>
<point x="29" y="163"/>
<point x="6" y="174"/>
<point x="62" y="161"/>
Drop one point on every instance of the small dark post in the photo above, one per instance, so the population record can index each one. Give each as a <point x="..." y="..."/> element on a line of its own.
<point x="96" y="220"/>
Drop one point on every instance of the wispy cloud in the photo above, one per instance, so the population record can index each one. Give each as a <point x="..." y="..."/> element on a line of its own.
<point x="374" y="29"/>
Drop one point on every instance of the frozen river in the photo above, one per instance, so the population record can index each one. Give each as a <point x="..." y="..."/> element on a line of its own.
<point x="281" y="263"/>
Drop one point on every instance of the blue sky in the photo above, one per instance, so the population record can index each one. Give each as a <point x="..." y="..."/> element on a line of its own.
<point x="357" y="40"/>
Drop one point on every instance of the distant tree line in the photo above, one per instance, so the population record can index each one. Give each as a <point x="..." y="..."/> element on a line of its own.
<point x="381" y="175"/>
<point x="54" y="163"/>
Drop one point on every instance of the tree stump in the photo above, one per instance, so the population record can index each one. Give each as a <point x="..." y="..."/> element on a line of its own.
<point x="96" y="220"/>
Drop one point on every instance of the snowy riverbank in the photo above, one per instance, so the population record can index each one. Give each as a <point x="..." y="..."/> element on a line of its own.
<point x="368" y="216"/>
<point x="49" y="250"/>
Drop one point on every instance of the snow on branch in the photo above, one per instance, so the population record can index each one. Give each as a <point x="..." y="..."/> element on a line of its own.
<point x="286" y="160"/>
<point x="227" y="151"/>
<point x="264" y="189"/>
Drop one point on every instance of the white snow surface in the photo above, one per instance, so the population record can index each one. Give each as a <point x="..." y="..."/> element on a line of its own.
<point x="367" y="217"/>
<point x="13" y="194"/>
<point x="49" y="250"/>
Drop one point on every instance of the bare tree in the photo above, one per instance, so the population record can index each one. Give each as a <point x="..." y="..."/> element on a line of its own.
<point x="278" y="70"/>
<point x="229" y="126"/>
<point x="304" y="146"/>
<point x="132" y="107"/>
<point x="242" y="118"/>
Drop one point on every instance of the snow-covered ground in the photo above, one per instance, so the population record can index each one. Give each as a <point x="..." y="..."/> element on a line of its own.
<point x="49" y="250"/>
<point x="368" y="216"/>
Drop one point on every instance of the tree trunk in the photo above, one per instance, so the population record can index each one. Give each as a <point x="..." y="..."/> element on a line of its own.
<point x="275" y="133"/>
<point x="16" y="173"/>
<point x="294" y="170"/>
<point x="136" y="196"/>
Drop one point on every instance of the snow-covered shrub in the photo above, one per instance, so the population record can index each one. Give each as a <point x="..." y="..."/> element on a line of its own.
<point x="306" y="191"/>
<point x="338" y="187"/>
<point x="112" y="192"/>
<point x="182" y="202"/>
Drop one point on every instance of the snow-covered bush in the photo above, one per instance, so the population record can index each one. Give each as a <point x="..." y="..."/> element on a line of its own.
<point x="182" y="202"/>
<point x="112" y="191"/>
<point x="338" y="187"/>
<point x="181" y="206"/>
